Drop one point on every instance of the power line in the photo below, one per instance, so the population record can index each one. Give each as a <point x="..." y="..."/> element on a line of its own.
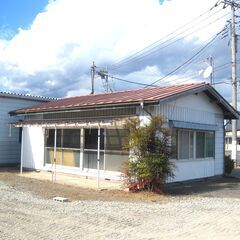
<point x="184" y="25"/>
<point x="176" y="69"/>
<point x="186" y="62"/>
<point x="153" y="46"/>
<point x="157" y="48"/>
<point x="153" y="84"/>
<point x="182" y="65"/>
<point x="128" y="81"/>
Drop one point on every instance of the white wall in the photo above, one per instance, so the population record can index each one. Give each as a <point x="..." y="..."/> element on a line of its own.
<point x="33" y="147"/>
<point x="196" y="108"/>
<point x="10" y="147"/>
<point x="186" y="170"/>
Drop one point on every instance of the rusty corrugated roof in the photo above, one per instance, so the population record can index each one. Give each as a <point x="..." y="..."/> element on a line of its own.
<point x="116" y="98"/>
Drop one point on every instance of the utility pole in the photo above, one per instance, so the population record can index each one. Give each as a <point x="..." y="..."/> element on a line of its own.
<point x="233" y="6"/>
<point x="210" y="64"/>
<point x="93" y="71"/>
<point x="212" y="73"/>
<point x="107" y="83"/>
<point x="234" y="86"/>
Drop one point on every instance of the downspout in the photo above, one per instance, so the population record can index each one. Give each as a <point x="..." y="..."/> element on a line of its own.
<point x="54" y="154"/>
<point x="144" y="109"/>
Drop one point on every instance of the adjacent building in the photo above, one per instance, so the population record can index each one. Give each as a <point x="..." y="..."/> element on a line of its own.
<point x="85" y="135"/>
<point x="10" y="137"/>
<point x="228" y="140"/>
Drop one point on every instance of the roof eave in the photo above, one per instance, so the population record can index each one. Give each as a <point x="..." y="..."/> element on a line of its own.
<point x="222" y="102"/>
<point x="110" y="105"/>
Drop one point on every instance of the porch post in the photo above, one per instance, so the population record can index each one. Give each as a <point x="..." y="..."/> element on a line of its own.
<point x="54" y="154"/>
<point x="81" y="148"/>
<point x="104" y="157"/>
<point x="98" y="157"/>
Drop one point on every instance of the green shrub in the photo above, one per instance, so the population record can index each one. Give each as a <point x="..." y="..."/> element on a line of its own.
<point x="228" y="165"/>
<point x="149" y="164"/>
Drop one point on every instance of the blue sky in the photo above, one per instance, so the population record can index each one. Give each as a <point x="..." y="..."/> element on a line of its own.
<point x="16" y="14"/>
<point x="162" y="1"/>
<point x="47" y="47"/>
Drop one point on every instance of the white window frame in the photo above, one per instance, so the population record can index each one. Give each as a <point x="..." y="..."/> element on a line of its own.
<point x="194" y="144"/>
<point x="178" y="145"/>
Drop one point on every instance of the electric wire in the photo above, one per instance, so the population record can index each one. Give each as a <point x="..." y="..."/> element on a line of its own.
<point x="150" y="51"/>
<point x="156" y="42"/>
<point x="187" y="61"/>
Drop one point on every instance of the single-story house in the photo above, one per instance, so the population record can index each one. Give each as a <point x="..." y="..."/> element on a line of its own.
<point x="80" y="132"/>
<point x="10" y="137"/>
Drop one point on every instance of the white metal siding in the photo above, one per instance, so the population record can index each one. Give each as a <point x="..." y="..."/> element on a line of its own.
<point x="10" y="147"/>
<point x="196" y="109"/>
<point x="219" y="146"/>
<point x="33" y="147"/>
<point x="186" y="170"/>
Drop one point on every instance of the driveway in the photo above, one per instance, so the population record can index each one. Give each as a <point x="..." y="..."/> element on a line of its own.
<point x="225" y="187"/>
<point x="201" y="210"/>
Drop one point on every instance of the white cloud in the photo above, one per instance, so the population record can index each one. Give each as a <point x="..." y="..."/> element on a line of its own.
<point x="56" y="51"/>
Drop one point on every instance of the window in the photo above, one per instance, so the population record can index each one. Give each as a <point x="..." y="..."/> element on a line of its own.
<point x="20" y="135"/>
<point x="91" y="138"/>
<point x="49" y="137"/>
<point x="194" y="144"/>
<point x="228" y="140"/>
<point x="68" y="147"/>
<point x="71" y="138"/>
<point x="50" y="134"/>
<point x="200" y="144"/>
<point x="116" y="139"/>
<point x="210" y="144"/>
<point x="185" y="144"/>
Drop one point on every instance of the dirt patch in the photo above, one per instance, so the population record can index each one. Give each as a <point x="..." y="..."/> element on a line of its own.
<point x="47" y="189"/>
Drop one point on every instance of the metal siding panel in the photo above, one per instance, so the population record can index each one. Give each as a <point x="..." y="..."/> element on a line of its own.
<point x="187" y="170"/>
<point x="9" y="146"/>
<point x="33" y="147"/>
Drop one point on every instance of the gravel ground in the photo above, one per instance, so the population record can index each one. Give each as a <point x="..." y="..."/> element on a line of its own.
<point x="27" y="216"/>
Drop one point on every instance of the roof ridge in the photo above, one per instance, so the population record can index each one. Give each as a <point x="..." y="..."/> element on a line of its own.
<point x="121" y="97"/>
<point x="134" y="90"/>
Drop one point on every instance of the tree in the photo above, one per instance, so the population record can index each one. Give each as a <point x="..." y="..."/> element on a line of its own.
<point x="149" y="163"/>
